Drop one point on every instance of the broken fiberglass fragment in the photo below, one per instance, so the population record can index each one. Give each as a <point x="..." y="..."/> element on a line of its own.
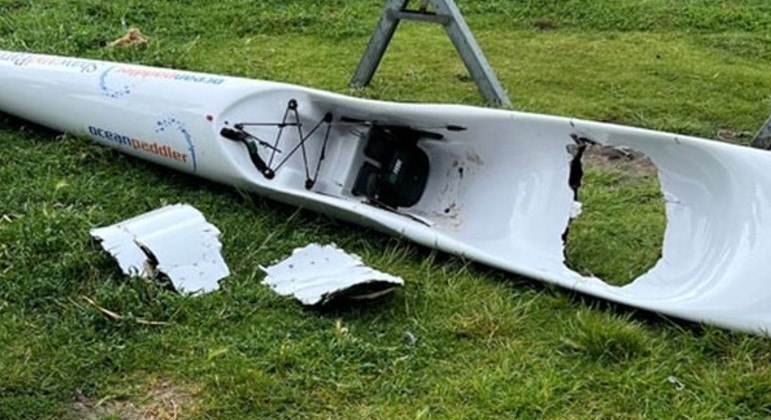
<point x="318" y="274"/>
<point x="175" y="241"/>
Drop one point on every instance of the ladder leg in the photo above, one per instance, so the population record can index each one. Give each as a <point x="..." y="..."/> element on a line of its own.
<point x="472" y="55"/>
<point x="378" y="44"/>
<point x="762" y="140"/>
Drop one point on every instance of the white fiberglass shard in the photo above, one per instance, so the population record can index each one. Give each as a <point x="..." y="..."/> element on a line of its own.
<point x="318" y="274"/>
<point x="120" y="244"/>
<point x="176" y="241"/>
<point x="576" y="210"/>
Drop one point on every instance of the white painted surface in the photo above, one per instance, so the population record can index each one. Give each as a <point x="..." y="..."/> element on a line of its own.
<point x="317" y="274"/>
<point x="508" y="208"/>
<point x="174" y="240"/>
<point x="119" y="243"/>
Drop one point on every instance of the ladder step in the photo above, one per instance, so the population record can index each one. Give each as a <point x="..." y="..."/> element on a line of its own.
<point x="421" y="17"/>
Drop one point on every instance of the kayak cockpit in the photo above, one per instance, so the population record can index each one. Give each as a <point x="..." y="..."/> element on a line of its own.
<point x="349" y="158"/>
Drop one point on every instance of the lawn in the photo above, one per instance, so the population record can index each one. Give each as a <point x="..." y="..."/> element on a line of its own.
<point x="461" y="339"/>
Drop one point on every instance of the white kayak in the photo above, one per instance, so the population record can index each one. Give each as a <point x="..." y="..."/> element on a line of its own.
<point x="492" y="186"/>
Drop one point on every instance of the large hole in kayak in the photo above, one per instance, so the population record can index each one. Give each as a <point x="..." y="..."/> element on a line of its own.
<point x="620" y="230"/>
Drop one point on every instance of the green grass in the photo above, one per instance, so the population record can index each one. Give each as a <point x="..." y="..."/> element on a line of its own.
<point x="622" y="215"/>
<point x="488" y="343"/>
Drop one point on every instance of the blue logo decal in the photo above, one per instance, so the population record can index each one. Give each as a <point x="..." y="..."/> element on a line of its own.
<point x="172" y="123"/>
<point x="113" y="92"/>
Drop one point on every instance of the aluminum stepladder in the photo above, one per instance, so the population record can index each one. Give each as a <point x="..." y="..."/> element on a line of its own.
<point x="446" y="13"/>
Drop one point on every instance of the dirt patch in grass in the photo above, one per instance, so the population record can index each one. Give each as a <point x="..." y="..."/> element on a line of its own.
<point x="161" y="400"/>
<point x="545" y="24"/>
<point x="633" y="165"/>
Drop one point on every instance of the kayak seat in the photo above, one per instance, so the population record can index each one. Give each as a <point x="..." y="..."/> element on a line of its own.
<point x="396" y="172"/>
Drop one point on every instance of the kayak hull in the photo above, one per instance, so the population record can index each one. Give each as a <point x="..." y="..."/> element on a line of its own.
<point x="489" y="185"/>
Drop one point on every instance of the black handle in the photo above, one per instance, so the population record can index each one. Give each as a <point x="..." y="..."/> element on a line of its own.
<point x="254" y="154"/>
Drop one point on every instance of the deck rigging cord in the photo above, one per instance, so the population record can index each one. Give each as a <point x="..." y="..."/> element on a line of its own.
<point x="291" y="118"/>
<point x="240" y="134"/>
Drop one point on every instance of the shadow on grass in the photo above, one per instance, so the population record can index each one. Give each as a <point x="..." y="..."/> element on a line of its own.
<point x="13" y="123"/>
<point x="650" y="318"/>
